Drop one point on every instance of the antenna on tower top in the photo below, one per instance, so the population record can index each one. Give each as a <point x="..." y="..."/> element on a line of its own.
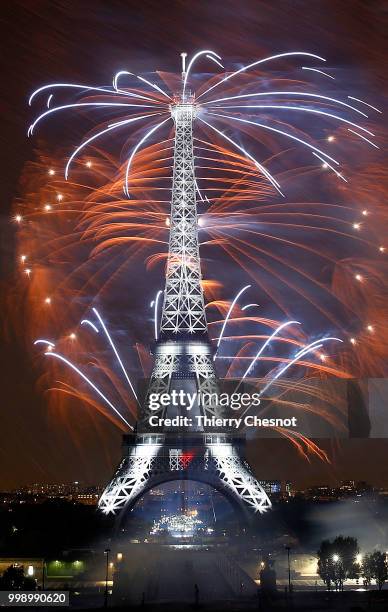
<point x="183" y="56"/>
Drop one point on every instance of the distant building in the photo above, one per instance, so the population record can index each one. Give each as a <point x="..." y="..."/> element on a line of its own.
<point x="288" y="488"/>
<point x="321" y="493"/>
<point x="348" y="487"/>
<point x="38" y="493"/>
<point x="271" y="487"/>
<point x="277" y="488"/>
<point x="87" y="499"/>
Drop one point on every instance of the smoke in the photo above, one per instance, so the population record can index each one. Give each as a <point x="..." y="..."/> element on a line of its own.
<point x="362" y="517"/>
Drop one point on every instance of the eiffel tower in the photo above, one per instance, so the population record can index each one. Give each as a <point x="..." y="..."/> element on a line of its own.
<point x="183" y="361"/>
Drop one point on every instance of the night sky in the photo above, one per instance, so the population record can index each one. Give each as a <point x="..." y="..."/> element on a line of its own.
<point x="48" y="41"/>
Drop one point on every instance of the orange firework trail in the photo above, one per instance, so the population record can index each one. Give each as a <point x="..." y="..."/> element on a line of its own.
<point x="83" y="239"/>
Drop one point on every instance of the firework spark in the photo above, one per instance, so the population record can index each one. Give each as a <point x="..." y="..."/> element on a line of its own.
<point x="163" y="103"/>
<point x="94" y="237"/>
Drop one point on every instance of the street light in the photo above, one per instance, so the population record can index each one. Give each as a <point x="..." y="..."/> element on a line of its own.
<point x="288" y="548"/>
<point x="338" y="572"/>
<point x="106" y="552"/>
<point x="43" y="572"/>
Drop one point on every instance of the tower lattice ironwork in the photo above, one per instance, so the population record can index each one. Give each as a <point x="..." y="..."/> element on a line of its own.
<point x="183" y="360"/>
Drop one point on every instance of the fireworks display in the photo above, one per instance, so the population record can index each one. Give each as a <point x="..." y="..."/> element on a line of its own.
<point x="93" y="231"/>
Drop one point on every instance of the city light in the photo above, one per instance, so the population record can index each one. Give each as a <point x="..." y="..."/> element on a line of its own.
<point x="335" y="558"/>
<point x="47" y="300"/>
<point x="47" y="207"/>
<point x="178" y="525"/>
<point x="51" y="172"/>
<point x="358" y="277"/>
<point x="18" y="218"/>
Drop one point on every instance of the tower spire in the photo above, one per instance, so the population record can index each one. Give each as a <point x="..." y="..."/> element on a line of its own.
<point x="183" y="56"/>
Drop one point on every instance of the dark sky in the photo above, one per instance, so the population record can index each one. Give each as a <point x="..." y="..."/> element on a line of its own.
<point x="88" y="41"/>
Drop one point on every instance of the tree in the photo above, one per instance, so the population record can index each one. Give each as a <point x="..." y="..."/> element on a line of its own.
<point x="13" y="579"/>
<point x="337" y="561"/>
<point x="375" y="566"/>
<point x="325" y="563"/>
<point x="366" y="570"/>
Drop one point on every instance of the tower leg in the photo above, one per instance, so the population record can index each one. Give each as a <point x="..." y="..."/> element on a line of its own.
<point x="212" y="459"/>
<point x="237" y="476"/>
<point x="131" y="478"/>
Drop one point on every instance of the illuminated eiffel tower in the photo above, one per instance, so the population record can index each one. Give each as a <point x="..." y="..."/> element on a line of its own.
<point x="183" y="360"/>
